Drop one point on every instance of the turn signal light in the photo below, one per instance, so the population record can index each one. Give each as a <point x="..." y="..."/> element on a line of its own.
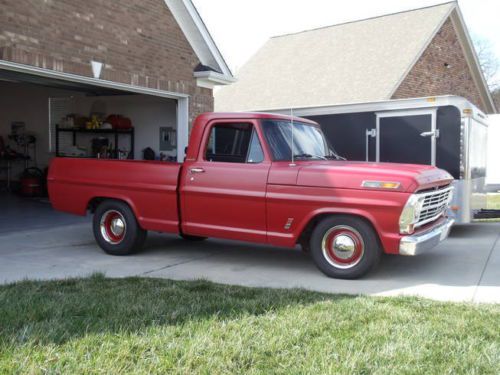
<point x="454" y="208"/>
<point x="381" y="184"/>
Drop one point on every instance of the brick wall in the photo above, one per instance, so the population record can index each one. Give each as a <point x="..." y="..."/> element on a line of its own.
<point x="430" y="76"/>
<point x="496" y="98"/>
<point x="139" y="42"/>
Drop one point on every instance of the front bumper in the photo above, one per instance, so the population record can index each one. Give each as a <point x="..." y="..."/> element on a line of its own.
<point x="421" y="242"/>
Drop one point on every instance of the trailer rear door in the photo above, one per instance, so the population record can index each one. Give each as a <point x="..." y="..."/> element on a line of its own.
<point x="406" y="137"/>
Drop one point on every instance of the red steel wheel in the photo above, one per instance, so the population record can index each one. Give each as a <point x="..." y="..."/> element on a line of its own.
<point x="342" y="246"/>
<point x="116" y="228"/>
<point x="113" y="227"/>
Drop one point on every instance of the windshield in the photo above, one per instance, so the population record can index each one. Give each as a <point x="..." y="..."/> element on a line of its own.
<point x="308" y="141"/>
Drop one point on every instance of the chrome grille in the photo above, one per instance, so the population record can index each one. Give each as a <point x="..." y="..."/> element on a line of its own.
<point x="435" y="203"/>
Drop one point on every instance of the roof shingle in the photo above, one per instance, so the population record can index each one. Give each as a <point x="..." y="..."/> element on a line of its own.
<point x="358" y="61"/>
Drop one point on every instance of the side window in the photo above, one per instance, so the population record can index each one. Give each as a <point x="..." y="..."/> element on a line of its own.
<point x="233" y="143"/>
<point x="255" y="154"/>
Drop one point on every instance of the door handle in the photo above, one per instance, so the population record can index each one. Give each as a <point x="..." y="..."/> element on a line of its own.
<point x="197" y="170"/>
<point x="369" y="133"/>
<point x="434" y="133"/>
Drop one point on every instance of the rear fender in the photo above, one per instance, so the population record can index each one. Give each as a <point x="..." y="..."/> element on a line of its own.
<point x="117" y="197"/>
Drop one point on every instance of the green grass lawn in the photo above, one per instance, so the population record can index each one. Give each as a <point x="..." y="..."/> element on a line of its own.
<point x="106" y="326"/>
<point x="493" y="201"/>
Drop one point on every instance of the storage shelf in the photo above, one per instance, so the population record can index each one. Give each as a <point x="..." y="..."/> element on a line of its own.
<point x="115" y="132"/>
<point x="106" y="131"/>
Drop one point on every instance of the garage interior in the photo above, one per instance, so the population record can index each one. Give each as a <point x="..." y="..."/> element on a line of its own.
<point x="42" y="117"/>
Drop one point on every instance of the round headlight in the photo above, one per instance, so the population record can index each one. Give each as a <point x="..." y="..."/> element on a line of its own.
<point x="410" y="214"/>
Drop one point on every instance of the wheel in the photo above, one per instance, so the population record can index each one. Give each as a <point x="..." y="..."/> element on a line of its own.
<point x="345" y="247"/>
<point x="188" y="237"/>
<point x="116" y="229"/>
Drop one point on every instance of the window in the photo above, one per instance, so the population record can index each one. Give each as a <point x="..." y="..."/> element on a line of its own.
<point x="234" y="143"/>
<point x="308" y="141"/>
<point x="255" y="155"/>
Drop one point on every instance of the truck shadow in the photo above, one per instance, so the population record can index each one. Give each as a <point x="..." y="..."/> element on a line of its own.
<point x="457" y="262"/>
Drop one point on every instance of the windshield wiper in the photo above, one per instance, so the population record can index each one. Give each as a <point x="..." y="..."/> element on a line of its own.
<point x="309" y="156"/>
<point x="334" y="157"/>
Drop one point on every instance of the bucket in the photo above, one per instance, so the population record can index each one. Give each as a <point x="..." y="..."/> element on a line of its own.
<point x="31" y="182"/>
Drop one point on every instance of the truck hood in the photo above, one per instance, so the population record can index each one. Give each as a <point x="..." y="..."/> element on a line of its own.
<point x="351" y="174"/>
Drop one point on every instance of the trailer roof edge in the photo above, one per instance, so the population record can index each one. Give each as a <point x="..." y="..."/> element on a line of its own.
<point x="386" y="105"/>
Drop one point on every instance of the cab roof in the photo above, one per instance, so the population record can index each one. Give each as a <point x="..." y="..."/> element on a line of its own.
<point x="209" y="116"/>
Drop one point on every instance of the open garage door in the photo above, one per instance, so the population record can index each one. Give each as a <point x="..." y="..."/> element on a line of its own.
<point x="44" y="114"/>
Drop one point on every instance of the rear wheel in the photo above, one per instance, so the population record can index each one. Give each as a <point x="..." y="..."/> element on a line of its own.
<point x="345" y="247"/>
<point x="116" y="229"/>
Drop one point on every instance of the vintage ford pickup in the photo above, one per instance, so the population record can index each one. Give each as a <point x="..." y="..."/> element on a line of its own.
<point x="261" y="178"/>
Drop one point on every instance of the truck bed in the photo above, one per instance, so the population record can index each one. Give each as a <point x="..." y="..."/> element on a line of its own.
<point x="149" y="187"/>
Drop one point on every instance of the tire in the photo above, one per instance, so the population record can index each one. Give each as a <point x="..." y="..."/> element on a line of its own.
<point x="116" y="229"/>
<point x="357" y="252"/>
<point x="188" y="237"/>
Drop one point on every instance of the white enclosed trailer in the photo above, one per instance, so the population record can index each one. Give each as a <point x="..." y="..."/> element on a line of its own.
<point x="493" y="170"/>
<point x="445" y="131"/>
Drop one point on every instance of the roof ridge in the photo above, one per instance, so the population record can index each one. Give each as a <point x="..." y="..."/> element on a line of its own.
<point x="365" y="19"/>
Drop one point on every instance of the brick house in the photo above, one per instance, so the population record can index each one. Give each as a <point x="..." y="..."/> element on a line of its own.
<point x="417" y="53"/>
<point x="152" y="61"/>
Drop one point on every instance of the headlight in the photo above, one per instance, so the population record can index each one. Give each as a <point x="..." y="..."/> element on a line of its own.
<point x="410" y="214"/>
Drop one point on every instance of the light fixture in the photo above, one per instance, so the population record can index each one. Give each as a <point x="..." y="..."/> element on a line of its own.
<point x="381" y="184"/>
<point x="96" y="68"/>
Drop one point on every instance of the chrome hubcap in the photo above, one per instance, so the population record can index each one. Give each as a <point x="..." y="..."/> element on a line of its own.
<point x="343" y="247"/>
<point x="117" y="226"/>
<point x="113" y="227"/>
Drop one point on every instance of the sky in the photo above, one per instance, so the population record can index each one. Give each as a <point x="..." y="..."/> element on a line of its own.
<point x="241" y="27"/>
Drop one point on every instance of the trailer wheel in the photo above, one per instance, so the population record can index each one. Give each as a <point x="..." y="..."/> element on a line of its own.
<point x="116" y="229"/>
<point x="188" y="237"/>
<point x="345" y="247"/>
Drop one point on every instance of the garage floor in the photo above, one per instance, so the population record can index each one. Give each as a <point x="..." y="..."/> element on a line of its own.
<point x="20" y="214"/>
<point x="466" y="267"/>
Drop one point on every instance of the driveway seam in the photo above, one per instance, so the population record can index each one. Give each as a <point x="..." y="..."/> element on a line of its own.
<point x="179" y="263"/>
<point x="484" y="269"/>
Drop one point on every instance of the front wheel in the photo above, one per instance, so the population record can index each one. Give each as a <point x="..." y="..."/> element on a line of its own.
<point x="116" y="229"/>
<point x="345" y="247"/>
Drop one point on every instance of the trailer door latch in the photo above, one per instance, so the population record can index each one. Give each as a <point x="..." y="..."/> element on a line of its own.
<point x="434" y="133"/>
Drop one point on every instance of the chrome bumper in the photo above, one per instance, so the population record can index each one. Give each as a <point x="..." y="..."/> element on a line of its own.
<point x="421" y="242"/>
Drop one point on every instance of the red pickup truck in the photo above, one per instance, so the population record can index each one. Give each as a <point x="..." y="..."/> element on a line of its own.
<point x="261" y="178"/>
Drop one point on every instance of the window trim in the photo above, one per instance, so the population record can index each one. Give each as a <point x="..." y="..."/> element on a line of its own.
<point x="208" y="132"/>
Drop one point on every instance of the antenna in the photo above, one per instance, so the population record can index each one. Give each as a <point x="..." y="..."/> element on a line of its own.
<point x="291" y="122"/>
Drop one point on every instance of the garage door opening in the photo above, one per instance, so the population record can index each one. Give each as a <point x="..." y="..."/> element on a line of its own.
<point x="42" y="117"/>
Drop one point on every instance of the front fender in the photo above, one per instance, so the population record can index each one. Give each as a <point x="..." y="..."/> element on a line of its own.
<point x="302" y="204"/>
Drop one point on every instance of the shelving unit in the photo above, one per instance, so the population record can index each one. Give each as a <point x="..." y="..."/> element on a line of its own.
<point x="115" y="132"/>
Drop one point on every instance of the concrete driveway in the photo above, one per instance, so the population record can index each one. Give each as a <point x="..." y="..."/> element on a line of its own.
<point x="464" y="268"/>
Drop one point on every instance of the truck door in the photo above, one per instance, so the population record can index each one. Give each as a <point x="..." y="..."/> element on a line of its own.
<point x="407" y="137"/>
<point x="224" y="190"/>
